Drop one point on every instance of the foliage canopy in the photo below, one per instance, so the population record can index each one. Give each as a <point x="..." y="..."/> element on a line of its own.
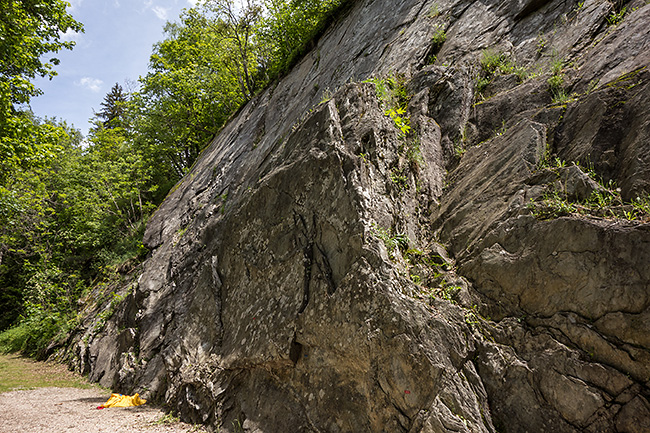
<point x="29" y="30"/>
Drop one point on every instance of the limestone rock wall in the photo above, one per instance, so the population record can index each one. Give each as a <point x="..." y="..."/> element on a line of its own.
<point x="311" y="275"/>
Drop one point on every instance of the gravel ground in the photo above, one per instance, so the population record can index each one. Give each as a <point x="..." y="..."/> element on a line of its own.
<point x="71" y="410"/>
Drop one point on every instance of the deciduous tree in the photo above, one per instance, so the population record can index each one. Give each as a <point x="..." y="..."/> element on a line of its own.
<point x="29" y="31"/>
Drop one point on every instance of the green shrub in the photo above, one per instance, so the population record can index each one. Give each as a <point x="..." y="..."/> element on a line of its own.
<point x="36" y="331"/>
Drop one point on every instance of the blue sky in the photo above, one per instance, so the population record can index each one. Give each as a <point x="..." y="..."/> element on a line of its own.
<point x="115" y="48"/>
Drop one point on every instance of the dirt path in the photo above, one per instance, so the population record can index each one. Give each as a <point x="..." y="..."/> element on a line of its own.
<point x="70" y="409"/>
<point x="73" y="410"/>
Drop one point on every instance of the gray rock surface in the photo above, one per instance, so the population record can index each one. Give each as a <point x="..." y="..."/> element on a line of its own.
<point x="314" y="274"/>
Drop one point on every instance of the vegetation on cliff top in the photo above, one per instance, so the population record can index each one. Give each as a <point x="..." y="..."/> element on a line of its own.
<point x="73" y="210"/>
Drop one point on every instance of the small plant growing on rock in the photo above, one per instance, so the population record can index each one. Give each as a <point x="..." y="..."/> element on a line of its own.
<point x="601" y="199"/>
<point x="327" y="96"/>
<point x="166" y="420"/>
<point x="472" y="317"/>
<point x="392" y="242"/>
<point x="434" y="11"/>
<point x="438" y="39"/>
<point x="400" y="179"/>
<point x="459" y="146"/>
<point x="402" y="122"/>
<point x="237" y="427"/>
<point x="391" y="91"/>
<point x="642" y="204"/>
<point x="481" y="84"/>
<point x="489" y="62"/>
<point x="615" y="18"/>
<point x="413" y="153"/>
<point x="502" y="130"/>
<point x="604" y="202"/>
<point x="364" y="157"/>
<point x="179" y="235"/>
<point x="593" y="84"/>
<point x="541" y="44"/>
<point x="393" y="96"/>
<point x="493" y="63"/>
<point x="447" y="291"/>
<point x="556" y="86"/>
<point x="556" y="82"/>
<point x="553" y="205"/>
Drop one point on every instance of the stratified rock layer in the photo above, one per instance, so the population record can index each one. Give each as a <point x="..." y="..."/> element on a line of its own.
<point x="319" y="271"/>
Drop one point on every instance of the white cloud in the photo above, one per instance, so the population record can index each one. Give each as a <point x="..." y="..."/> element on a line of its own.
<point x="70" y="35"/>
<point x="160" y="12"/>
<point x="92" y="84"/>
<point x="193" y="2"/>
<point x="74" y="4"/>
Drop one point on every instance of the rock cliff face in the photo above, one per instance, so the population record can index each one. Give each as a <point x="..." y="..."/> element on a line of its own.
<point x="319" y="270"/>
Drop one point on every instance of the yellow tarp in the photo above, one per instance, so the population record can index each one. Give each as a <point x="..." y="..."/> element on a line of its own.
<point x="119" y="400"/>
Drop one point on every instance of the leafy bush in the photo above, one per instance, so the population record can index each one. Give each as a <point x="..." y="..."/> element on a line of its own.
<point x="11" y="301"/>
<point x="290" y="28"/>
<point x="36" y="331"/>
